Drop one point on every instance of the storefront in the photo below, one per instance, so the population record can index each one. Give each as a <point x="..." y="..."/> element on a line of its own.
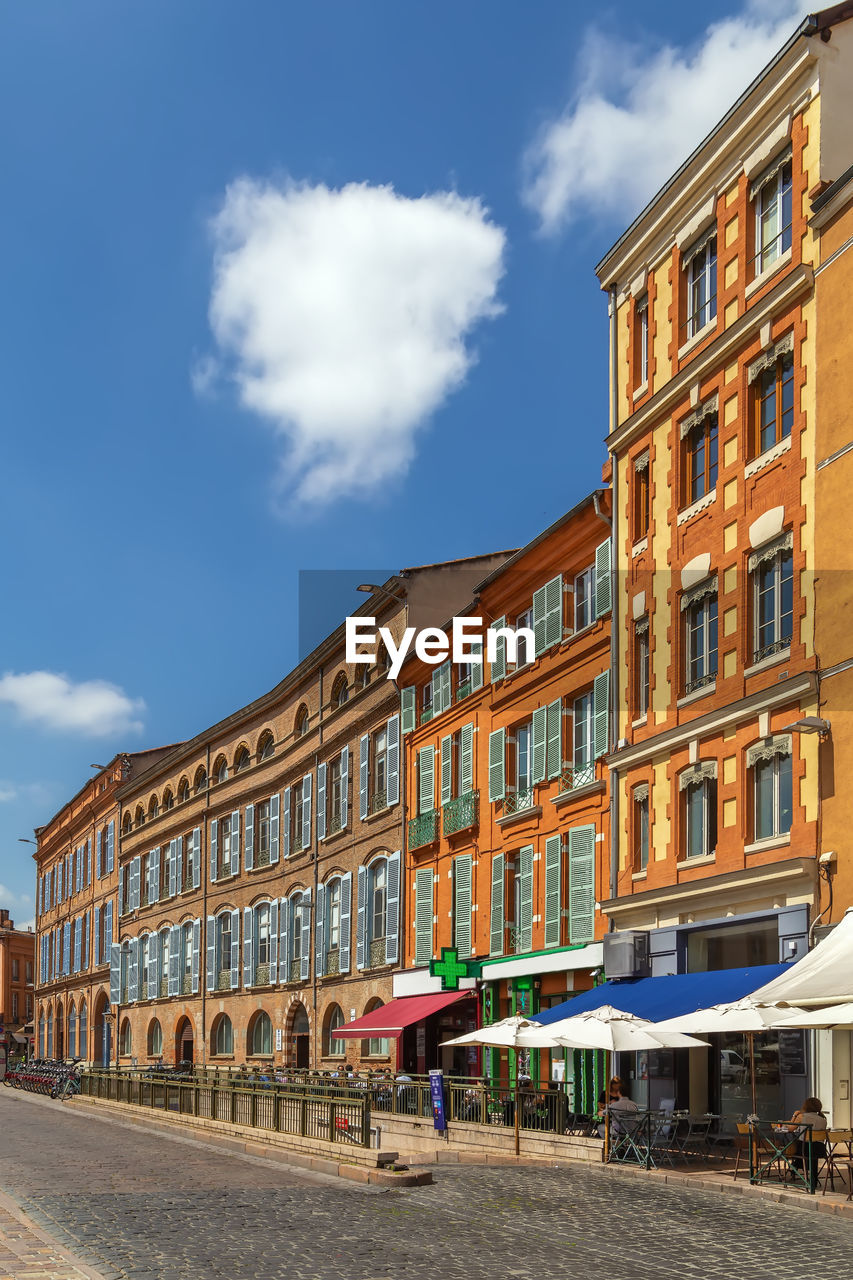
<point x="419" y="1025"/>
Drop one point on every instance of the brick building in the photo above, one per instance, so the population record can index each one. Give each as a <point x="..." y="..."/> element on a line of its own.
<point x="17" y="960"/>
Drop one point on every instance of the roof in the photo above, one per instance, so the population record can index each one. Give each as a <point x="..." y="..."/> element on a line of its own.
<point x="540" y="537"/>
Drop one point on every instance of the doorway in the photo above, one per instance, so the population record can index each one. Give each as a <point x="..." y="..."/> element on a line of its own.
<point x="184" y="1041"/>
<point x="301" y="1042"/>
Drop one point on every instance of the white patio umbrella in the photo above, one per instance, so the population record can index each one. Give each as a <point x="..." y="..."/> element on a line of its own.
<point x="749" y="1016"/>
<point x="837" y="1017"/>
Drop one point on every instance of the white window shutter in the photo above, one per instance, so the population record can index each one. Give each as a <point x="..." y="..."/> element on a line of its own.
<point x="211" y="953"/>
<point x="196" y="955"/>
<point x="96" y="954"/>
<point x="554" y="739"/>
<point x="275" y="827"/>
<point x="175" y="960"/>
<point x="477" y="667"/>
<point x="344" y="813"/>
<point x="321" y="802"/>
<point x="496" y="923"/>
<point x="115" y="975"/>
<point x="235" y="842"/>
<point x="553" y="896"/>
<point x="214" y="847"/>
<point x="601" y="714"/>
<point x="235" y="949"/>
<point x="286" y="826"/>
<point x="466" y="748"/>
<point x="99" y="842"/>
<point x="525" y="924"/>
<point x="497" y="765"/>
<point x="248" y="944"/>
<point x="361" y="921"/>
<point x="446" y="690"/>
<point x="392" y="927"/>
<point x="408" y="710"/>
<point x="582" y="884"/>
<point x="462" y="886"/>
<point x="346" y="923"/>
<point x="320" y="932"/>
<point x="174" y="870"/>
<point x="133" y="992"/>
<point x="446" y="769"/>
<point x="393" y="740"/>
<point x="274" y="940"/>
<point x="603" y="593"/>
<point x="426" y="779"/>
<point x="306" y="811"/>
<point x="283" y="940"/>
<point x="249" y="852"/>
<point x="196" y="855"/>
<point x="111" y="844"/>
<point x="363" y="774"/>
<point x="153" y="964"/>
<point x="423" y="915"/>
<point x="306" y="936"/>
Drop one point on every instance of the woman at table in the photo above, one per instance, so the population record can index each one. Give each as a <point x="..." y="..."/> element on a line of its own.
<point x="811" y="1114"/>
<point x="614" y="1100"/>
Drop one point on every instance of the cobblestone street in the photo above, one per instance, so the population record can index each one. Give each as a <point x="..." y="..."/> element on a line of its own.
<point x="151" y="1207"/>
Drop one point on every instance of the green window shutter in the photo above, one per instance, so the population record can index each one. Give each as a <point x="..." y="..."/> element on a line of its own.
<point x="426" y="779"/>
<point x="407" y="708"/>
<point x="498" y="667"/>
<point x="601" y="715"/>
<point x="435" y="684"/>
<point x="423" y="915"/>
<point x="466" y="747"/>
<point x="446" y="769"/>
<point x="477" y="667"/>
<point x="497" y="765"/>
<point x="444" y="686"/>
<point x="553" y="876"/>
<point x="539" y="615"/>
<point x="548" y="614"/>
<point x="602" y="579"/>
<point x="525" y="871"/>
<point x="539" y="723"/>
<point x="554" y="739"/>
<point x="496" y="922"/>
<point x="462" y="903"/>
<point x="582" y="884"/>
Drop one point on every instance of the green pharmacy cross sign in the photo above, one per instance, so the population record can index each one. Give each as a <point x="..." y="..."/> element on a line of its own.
<point x="450" y="969"/>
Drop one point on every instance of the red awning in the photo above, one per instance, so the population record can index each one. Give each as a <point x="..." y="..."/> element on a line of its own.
<point x="389" y="1022"/>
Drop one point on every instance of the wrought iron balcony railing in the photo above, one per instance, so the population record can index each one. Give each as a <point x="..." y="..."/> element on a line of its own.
<point x="333" y="963"/>
<point x="460" y="813"/>
<point x="334" y="824"/>
<point x="767" y="650"/>
<point x="518" y="801"/>
<point x="187" y="984"/>
<point x="295" y="971"/>
<point x="377" y="953"/>
<point x="164" y="986"/>
<point x="223" y="980"/>
<point x="262" y="858"/>
<point x="423" y="830"/>
<point x="700" y="682"/>
<point x="378" y="801"/>
<point x="463" y="689"/>
<point x="571" y="779"/>
<point x="426" y="715"/>
<point x="262" y="975"/>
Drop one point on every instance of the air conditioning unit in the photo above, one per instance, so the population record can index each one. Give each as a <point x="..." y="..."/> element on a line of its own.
<point x="626" y="954"/>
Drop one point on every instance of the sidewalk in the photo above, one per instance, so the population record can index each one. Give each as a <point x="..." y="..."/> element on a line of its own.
<point x="29" y="1253"/>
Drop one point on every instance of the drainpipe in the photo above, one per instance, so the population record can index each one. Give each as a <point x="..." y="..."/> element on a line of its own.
<point x="614" y="613"/>
<point x="203" y="873"/>
<point x="314" y="916"/>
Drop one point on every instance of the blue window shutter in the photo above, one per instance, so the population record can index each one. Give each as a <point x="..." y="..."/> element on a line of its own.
<point x="115" y="975"/>
<point x="111" y="844"/>
<point x="275" y="827"/>
<point x="306" y="811"/>
<point x="120" y="890"/>
<point x="286" y="832"/>
<point x="88" y="860"/>
<point x="360" y="942"/>
<point x="320" y="931"/>
<point x="582" y="884"/>
<point x="462" y="885"/>
<point x="249" y="837"/>
<point x="108" y="928"/>
<point x="99" y="840"/>
<point x="321" y="802"/>
<point x="283" y="940"/>
<point x="553" y="895"/>
<point x="446" y="769"/>
<point x="407" y="708"/>
<point x="346" y="923"/>
<point x="211" y="953"/>
<point x="363" y="774"/>
<point x="96" y="957"/>
<point x="554" y="739"/>
<point x="603" y="591"/>
<point x="154" y="890"/>
<point x="393" y="740"/>
<point x="214" y="847"/>
<point x="344" y="814"/>
<point x="235" y="842"/>
<point x="525" y="868"/>
<point x="78" y="944"/>
<point x="136" y="871"/>
<point x="540" y="716"/>
<point x="133" y="992"/>
<point x="423" y="915"/>
<point x="306" y="935"/>
<point x="466" y="750"/>
<point x="248" y="921"/>
<point x="196" y="857"/>
<point x="392" y="927"/>
<point x="274" y="940"/>
<point x="601" y="714"/>
<point x="498" y="915"/>
<point x="175" y="960"/>
<point x="154" y="964"/>
<point x="196" y="954"/>
<point x="174" y="868"/>
<point x="497" y="765"/>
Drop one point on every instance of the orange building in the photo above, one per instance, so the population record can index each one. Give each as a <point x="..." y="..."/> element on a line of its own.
<point x="17" y="958"/>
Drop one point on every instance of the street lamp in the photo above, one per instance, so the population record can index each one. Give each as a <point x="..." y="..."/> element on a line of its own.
<point x="371" y="588"/>
<point x="24" y="840"/>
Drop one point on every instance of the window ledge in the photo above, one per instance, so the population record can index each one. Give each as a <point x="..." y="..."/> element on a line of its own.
<point x="638" y="724"/>
<point x="770" y="455"/>
<point x="535" y="811"/>
<point x="232" y="875"/>
<point x="769" y="842"/>
<point x="782" y="656"/>
<point x="699" y="505"/>
<point x="641" y="390"/>
<point x="641" y="545"/>
<point x="588" y="789"/>
<point x="344" y="831"/>
<point x="755" y="284"/>
<point x="697" y="693"/>
<point x="373" y="817"/>
<point x="707" y="859"/>
<point x="517" y="671"/>
<point x="703" y="333"/>
<point x="638" y="875"/>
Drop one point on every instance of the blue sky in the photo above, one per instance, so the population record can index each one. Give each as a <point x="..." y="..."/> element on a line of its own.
<point x="292" y="287"/>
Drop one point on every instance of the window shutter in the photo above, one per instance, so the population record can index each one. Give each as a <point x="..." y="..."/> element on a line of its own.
<point x="196" y="857"/>
<point x="346" y="923"/>
<point x="462" y="903"/>
<point x="174" y="868"/>
<point x="284" y="940"/>
<point x="540" y="611"/>
<point x="525" y="868"/>
<point x="393" y="740"/>
<point x="135" y="877"/>
<point x="320" y="932"/>
<point x="274" y="939"/>
<point x="446" y="769"/>
<point x="154" y="890"/>
<point x="360" y="946"/>
<point x="196" y="954"/>
<point x="392" y="927"/>
<point x="275" y="827"/>
<point x="88" y="860"/>
<point x="497" y="765"/>
<point x="602" y="579"/>
<point x="306" y="811"/>
<point x="423" y="915"/>
<point x="582" y="884"/>
<point x="554" y="739"/>
<point x="179" y="864"/>
<point x="96" y="956"/>
<point x="248" y="943"/>
<point x="175" y="960"/>
<point x="250" y="837"/>
<point x="120" y="890"/>
<point x="344" y="812"/>
<point x="498" y="667"/>
<point x="407" y="708"/>
<point x="476" y="667"/>
<point x="111" y="841"/>
<point x="363" y="774"/>
<point x="306" y="935"/>
<point x="435" y="685"/>
<point x="214" y="847"/>
<point x="445" y="685"/>
<point x="115" y="975"/>
<point x="553" y="875"/>
<point x="153" y="964"/>
<point x="426" y="779"/>
<point x="466" y="748"/>
<point x="286" y="831"/>
<point x="235" y="842"/>
<point x="210" y="939"/>
<point x="539" y="733"/>
<point x="601" y="714"/>
<point x="78" y="944"/>
<point x="99" y="841"/>
<point x="108" y="928"/>
<point x="496" y="921"/>
<point x="149" y="878"/>
<point x="321" y="802"/>
<point x="133" y="992"/>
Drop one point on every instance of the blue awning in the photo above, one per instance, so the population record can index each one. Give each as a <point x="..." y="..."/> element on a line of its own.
<point x="667" y="997"/>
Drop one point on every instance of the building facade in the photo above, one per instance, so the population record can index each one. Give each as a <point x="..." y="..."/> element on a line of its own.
<point x="17" y="984"/>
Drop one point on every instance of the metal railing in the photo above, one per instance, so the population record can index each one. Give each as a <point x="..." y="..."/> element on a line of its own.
<point x="518" y="801"/>
<point x="699" y="682"/>
<point x="423" y="830"/>
<point x="378" y="801"/>
<point x="571" y="779"/>
<point x="460" y="813"/>
<point x="767" y="650"/>
<point x="377" y="953"/>
<point x="262" y="858"/>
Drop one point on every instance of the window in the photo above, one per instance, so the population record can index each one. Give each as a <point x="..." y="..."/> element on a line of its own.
<point x="220" y="770"/>
<point x="260" y="1035"/>
<point x="125" y="973"/>
<point x="187" y="956"/>
<point x="641" y="341"/>
<point x="125" y="1039"/>
<point x="242" y="759"/>
<point x="266" y="746"/>
<point x="582" y="755"/>
<point x="378" y="900"/>
<point x="524" y="766"/>
<point x="700" y="811"/>
<point x="168" y="799"/>
<point x="701" y="458"/>
<point x="144" y="956"/>
<point x="16" y="969"/>
<point x="165" y="949"/>
<point x="773" y="405"/>
<point x="81" y="1028"/>
<point x="126" y="824"/>
<point x="155" y="1039"/>
<point x="773" y="600"/>
<point x="641" y="497"/>
<point x="223" y="1036"/>
<point x="379" y="753"/>
<point x="426" y="703"/>
<point x="333" y="796"/>
<point x="183" y="791"/>
<point x="585" y="598"/>
<point x="29" y="972"/>
<point x="773" y="209"/>
<point x="297" y="805"/>
<point x="375" y="1047"/>
<point x="700" y="641"/>
<point x="701" y="270"/>
<point x="641" y="827"/>
<point x="340" y="691"/>
<point x="463" y="680"/>
<point x="333" y="916"/>
<point x="222" y="963"/>
<point x="334" y="1047"/>
<point x="301" y="722"/>
<point x="262" y="935"/>
<point x="641" y="668"/>
<point x="15" y="1009"/>
<point x="139" y="816"/>
<point x="262" y="833"/>
<point x="362" y="676"/>
<point x="200" y="780"/>
<point x="153" y="808"/>
<point x="297" y="926"/>
<point x="772" y="775"/>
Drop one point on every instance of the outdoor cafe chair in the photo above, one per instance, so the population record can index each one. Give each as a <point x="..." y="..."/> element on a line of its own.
<point x="741" y="1144"/>
<point x="839" y="1153"/>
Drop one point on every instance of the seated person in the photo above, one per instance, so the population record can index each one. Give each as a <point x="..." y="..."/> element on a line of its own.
<point x="810" y="1113"/>
<point x="615" y="1100"/>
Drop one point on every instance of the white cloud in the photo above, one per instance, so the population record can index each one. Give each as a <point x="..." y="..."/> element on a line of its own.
<point x="637" y="115"/>
<point x="17" y="904"/>
<point x="8" y="792"/>
<point x="51" y="701"/>
<point x="343" y="315"/>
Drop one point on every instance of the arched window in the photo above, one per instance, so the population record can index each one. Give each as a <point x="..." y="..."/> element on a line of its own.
<point x="220" y="769"/>
<point x="377" y="909"/>
<point x="261" y="946"/>
<point x="125" y="1039"/>
<point x="266" y="746"/>
<point x="168" y="799"/>
<point x="153" y="808"/>
<point x="41" y="1035"/>
<point x="155" y="1039"/>
<point x="126" y="823"/>
<point x="340" y="690"/>
<point x="82" y="1031"/>
<point x="222" y="1036"/>
<point x="301" y="722"/>
<point x="200" y="781"/>
<point x="185" y="960"/>
<point x="333" y="1047"/>
<point x="222" y="969"/>
<point x="260" y="1035"/>
<point x="375" y="1048"/>
<point x="183" y="790"/>
<point x="72" y="1032"/>
<point x="50" y="1033"/>
<point x="290" y="967"/>
<point x="242" y="759"/>
<point x="139" y="816"/>
<point x="332" y="927"/>
<point x="362" y="675"/>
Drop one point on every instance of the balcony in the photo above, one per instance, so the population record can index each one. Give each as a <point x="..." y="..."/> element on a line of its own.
<point x="333" y="964"/>
<point x="572" y="779"/>
<point x="768" y="650"/>
<point x="188" y="882"/>
<point x="423" y="830"/>
<point x="518" y="801"/>
<point x="463" y="689"/>
<point x="187" y="984"/>
<point x="378" y="801"/>
<point x="426" y="715"/>
<point x="700" y="682"/>
<point x="460" y="813"/>
<point x="262" y="975"/>
<point x="223" y="980"/>
<point x="377" y="953"/>
<point x="295" y="971"/>
<point x="164" y="986"/>
<point x="262" y="858"/>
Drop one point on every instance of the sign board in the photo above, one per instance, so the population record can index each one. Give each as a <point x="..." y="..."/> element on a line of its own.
<point x="278" y="1039"/>
<point x="792" y="1052"/>
<point x="436" y="1090"/>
